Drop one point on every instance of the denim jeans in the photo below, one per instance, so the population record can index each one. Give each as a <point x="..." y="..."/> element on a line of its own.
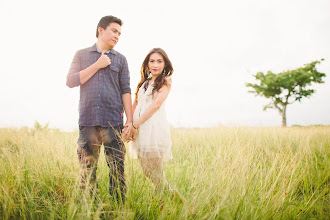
<point x="89" y="144"/>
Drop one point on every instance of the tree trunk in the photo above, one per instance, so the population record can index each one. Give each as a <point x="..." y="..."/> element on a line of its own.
<point x="284" y="116"/>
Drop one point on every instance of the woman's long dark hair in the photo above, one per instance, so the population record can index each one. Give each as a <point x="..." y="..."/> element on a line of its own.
<point x="160" y="81"/>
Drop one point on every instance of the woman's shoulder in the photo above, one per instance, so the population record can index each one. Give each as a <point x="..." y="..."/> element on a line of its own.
<point x="168" y="79"/>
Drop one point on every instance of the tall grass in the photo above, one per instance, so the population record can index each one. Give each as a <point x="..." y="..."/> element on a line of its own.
<point x="223" y="173"/>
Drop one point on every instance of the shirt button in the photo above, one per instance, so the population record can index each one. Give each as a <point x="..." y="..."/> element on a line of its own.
<point x="97" y="107"/>
<point x="99" y="95"/>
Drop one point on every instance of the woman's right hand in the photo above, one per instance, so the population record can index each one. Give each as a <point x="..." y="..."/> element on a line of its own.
<point x="134" y="131"/>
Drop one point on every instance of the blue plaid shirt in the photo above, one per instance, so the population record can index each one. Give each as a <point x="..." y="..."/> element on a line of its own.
<point x="101" y="96"/>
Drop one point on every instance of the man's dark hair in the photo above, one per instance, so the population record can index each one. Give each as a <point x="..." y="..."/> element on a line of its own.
<point x="105" y="21"/>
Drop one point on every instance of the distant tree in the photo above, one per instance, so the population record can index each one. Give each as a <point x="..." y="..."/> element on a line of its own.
<point x="287" y="87"/>
<point x="39" y="127"/>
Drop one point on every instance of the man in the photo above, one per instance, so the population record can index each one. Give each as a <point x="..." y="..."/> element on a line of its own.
<point x="103" y="76"/>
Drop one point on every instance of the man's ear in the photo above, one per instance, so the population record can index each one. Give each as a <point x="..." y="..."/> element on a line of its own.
<point x="100" y="30"/>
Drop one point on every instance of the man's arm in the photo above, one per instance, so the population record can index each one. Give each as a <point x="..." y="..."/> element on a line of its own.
<point x="124" y="82"/>
<point x="76" y="77"/>
<point x="125" y="88"/>
<point x="73" y="78"/>
<point x="87" y="73"/>
<point x="127" y="130"/>
<point x="127" y="102"/>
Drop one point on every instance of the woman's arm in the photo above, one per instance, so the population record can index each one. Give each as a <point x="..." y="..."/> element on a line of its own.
<point x="155" y="105"/>
<point x="134" y="106"/>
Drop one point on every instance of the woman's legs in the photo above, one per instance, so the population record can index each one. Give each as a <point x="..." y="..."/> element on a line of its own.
<point x="153" y="169"/>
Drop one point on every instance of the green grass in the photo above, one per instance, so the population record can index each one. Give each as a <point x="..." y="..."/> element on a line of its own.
<point x="223" y="173"/>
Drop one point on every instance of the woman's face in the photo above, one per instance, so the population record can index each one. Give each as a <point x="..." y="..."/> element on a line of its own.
<point x="156" y="64"/>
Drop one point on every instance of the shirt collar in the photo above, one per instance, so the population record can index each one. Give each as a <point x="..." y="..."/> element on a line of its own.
<point x="94" y="48"/>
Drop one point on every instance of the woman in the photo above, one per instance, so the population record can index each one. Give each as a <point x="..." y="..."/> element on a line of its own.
<point x="151" y="130"/>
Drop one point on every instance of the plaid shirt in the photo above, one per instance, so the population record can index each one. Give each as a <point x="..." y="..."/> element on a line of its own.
<point x="101" y="96"/>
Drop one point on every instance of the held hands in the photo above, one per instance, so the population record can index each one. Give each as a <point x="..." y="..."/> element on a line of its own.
<point x="129" y="132"/>
<point x="103" y="61"/>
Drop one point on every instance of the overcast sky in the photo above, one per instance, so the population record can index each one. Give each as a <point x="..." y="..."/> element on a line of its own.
<point x="215" y="47"/>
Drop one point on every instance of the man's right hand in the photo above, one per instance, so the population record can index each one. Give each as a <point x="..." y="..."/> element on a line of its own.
<point x="103" y="61"/>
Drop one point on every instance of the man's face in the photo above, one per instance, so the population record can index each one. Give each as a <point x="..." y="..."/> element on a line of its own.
<point x="110" y="35"/>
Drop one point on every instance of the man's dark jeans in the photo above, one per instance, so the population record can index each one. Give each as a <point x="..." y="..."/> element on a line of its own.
<point x="89" y="144"/>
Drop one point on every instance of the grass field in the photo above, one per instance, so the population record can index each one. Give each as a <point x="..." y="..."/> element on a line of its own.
<point x="223" y="173"/>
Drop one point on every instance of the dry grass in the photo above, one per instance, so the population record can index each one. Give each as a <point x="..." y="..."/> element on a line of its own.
<point x="223" y="173"/>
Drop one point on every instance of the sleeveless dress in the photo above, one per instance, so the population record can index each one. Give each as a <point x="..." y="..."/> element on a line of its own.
<point x="153" y="138"/>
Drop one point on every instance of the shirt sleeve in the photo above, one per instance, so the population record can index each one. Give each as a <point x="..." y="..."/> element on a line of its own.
<point x="73" y="77"/>
<point x="125" y="78"/>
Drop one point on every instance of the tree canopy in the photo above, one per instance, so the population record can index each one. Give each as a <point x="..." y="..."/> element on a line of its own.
<point x="287" y="87"/>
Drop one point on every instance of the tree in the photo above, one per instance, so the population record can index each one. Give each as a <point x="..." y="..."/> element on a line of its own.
<point x="287" y="87"/>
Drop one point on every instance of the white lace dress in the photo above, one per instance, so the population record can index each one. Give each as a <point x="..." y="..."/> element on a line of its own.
<point x="153" y="138"/>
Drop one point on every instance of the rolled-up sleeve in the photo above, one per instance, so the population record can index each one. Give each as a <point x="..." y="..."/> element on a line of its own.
<point x="73" y="77"/>
<point x="125" y="78"/>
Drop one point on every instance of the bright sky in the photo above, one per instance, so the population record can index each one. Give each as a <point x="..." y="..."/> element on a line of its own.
<point x="215" y="47"/>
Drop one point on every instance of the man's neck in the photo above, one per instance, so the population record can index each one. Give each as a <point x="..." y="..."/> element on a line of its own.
<point x="102" y="46"/>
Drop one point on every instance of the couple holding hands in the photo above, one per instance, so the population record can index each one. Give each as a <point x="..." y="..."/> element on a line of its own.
<point x="104" y="80"/>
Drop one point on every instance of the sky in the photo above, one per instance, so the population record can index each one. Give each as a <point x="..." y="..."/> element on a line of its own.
<point x="215" y="47"/>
